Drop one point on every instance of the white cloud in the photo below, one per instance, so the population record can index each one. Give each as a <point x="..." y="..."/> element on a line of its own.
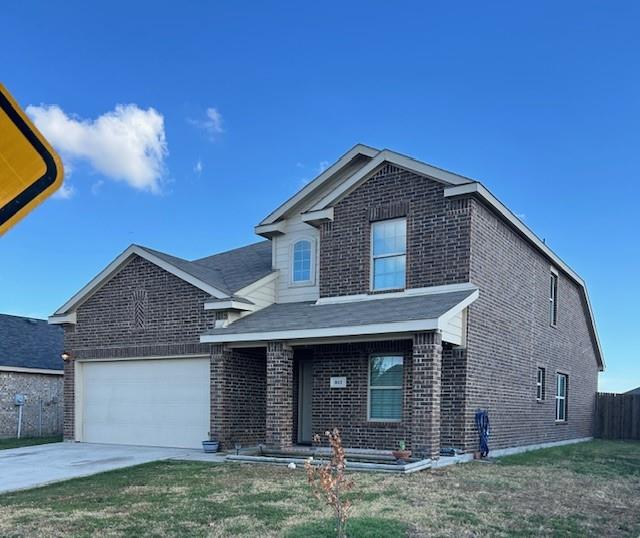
<point x="95" y="188"/>
<point x="198" y="167"/>
<point x="126" y="144"/>
<point x="212" y="123"/>
<point x="65" y="191"/>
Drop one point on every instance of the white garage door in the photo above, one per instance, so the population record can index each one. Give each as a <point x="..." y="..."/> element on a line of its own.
<point x="146" y="402"/>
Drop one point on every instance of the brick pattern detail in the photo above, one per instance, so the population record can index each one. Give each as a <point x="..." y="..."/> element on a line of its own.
<point x="509" y="336"/>
<point x="452" y="403"/>
<point x="438" y="232"/>
<point x="279" y="397"/>
<point x="346" y="409"/>
<point x="69" y="421"/>
<point x="427" y="367"/>
<point x="238" y="394"/>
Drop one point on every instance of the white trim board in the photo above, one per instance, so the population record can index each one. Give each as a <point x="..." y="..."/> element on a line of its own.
<point x="98" y="281"/>
<point x="23" y="370"/>
<point x="503" y="211"/>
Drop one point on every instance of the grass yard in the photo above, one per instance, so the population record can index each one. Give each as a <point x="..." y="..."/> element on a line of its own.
<point x="590" y="489"/>
<point x="28" y="441"/>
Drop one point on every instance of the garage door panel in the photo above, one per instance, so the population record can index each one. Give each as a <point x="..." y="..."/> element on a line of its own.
<point x="147" y="402"/>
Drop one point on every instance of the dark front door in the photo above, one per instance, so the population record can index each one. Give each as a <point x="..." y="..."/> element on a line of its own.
<point x="305" y="395"/>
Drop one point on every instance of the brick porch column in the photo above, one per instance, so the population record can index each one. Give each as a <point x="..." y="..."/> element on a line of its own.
<point x="279" y="426"/>
<point x="69" y="400"/>
<point x="219" y="418"/>
<point x="427" y="368"/>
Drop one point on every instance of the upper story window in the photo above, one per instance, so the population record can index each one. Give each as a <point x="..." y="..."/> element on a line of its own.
<point x="301" y="262"/>
<point x="388" y="254"/>
<point x="553" y="299"/>
<point x="562" y="380"/>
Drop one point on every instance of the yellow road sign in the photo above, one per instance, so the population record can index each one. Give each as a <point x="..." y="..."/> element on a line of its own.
<point x="30" y="170"/>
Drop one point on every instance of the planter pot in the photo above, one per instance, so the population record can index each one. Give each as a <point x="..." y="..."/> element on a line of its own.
<point x="477" y="455"/>
<point x="210" y="446"/>
<point x="403" y="455"/>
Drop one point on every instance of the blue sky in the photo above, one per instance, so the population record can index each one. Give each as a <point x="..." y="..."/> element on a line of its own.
<point x="228" y="108"/>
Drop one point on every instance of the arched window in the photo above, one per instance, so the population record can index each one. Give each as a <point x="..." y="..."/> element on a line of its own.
<point x="301" y="262"/>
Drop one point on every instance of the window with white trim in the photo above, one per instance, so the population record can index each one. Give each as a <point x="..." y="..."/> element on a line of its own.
<point x="388" y="254"/>
<point x="540" y="384"/>
<point x="302" y="262"/>
<point x="385" y="388"/>
<point x="562" y="381"/>
<point x="553" y="299"/>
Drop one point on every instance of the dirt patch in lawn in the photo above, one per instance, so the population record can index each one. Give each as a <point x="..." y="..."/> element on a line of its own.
<point x="592" y="489"/>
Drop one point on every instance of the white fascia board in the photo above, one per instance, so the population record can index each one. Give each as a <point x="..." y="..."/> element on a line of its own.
<point x="250" y="288"/>
<point x="116" y="264"/>
<point x="507" y="214"/>
<point x="315" y="217"/>
<point x="63" y="319"/>
<point x="22" y="370"/>
<point x="354" y="330"/>
<point x="358" y="149"/>
<point x="444" y="318"/>
<point x="271" y="230"/>
<point x="229" y="305"/>
<point x="410" y="292"/>
<point x="420" y="168"/>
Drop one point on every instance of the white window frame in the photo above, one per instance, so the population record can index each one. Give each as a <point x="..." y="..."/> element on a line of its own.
<point x="312" y="270"/>
<point x="384" y="387"/>
<point x="541" y="383"/>
<point x="562" y="398"/>
<point x="554" y="282"/>
<point x="392" y="255"/>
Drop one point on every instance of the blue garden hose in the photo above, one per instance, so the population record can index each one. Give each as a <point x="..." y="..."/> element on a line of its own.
<point x="482" y="423"/>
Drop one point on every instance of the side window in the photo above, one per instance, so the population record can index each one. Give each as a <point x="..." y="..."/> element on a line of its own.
<point x="388" y="254"/>
<point x="540" y="384"/>
<point x="562" y="382"/>
<point x="385" y="388"/>
<point x="302" y="262"/>
<point x="553" y="299"/>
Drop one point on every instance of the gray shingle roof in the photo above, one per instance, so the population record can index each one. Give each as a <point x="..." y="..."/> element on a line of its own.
<point x="635" y="392"/>
<point x="308" y="315"/>
<point x="227" y="271"/>
<point x="30" y="343"/>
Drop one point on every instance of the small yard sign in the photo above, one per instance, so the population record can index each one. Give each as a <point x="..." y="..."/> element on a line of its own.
<point x="338" y="382"/>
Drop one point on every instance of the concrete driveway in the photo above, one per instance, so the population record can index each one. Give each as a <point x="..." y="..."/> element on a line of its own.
<point x="31" y="466"/>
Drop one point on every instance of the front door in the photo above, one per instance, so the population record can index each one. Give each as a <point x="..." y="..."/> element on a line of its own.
<point x="305" y="395"/>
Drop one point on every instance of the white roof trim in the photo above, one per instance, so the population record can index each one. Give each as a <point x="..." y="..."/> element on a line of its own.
<point x="410" y="292"/>
<point x="314" y="217"/>
<point x="115" y="266"/>
<point x="229" y="305"/>
<point x="250" y="288"/>
<point x="62" y="319"/>
<point x="506" y="213"/>
<point x="23" y="370"/>
<point x="358" y="149"/>
<point x="270" y="230"/>
<point x="392" y="157"/>
<point x="444" y="318"/>
<point x="354" y="330"/>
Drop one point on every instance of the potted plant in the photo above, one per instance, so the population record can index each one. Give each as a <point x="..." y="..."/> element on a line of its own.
<point x="210" y="445"/>
<point x="402" y="453"/>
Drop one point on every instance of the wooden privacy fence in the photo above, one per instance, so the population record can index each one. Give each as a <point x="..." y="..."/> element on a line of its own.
<point x="617" y="416"/>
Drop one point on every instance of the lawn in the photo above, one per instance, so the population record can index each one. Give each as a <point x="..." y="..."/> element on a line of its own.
<point x="591" y="489"/>
<point x="28" y="441"/>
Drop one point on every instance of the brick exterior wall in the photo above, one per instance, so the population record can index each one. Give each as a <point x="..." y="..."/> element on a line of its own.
<point x="142" y="311"/>
<point x="279" y="400"/>
<point x="42" y="413"/>
<point x="453" y="401"/>
<point x="437" y="233"/>
<point x="509" y="336"/>
<point x="238" y="396"/>
<point x="346" y="408"/>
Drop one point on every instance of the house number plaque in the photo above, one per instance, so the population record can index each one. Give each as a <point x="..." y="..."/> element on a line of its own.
<point x="338" y="382"/>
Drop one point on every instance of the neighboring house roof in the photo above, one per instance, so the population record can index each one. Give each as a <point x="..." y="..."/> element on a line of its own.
<point x="220" y="275"/>
<point x="309" y="319"/>
<point x="30" y="343"/>
<point x="635" y="392"/>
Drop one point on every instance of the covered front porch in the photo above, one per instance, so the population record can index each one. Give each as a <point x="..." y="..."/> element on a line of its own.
<point x="376" y="392"/>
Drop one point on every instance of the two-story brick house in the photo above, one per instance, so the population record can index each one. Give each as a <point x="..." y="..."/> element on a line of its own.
<point x="391" y="299"/>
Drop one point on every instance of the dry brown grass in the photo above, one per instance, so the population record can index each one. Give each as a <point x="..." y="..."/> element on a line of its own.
<point x="586" y="490"/>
